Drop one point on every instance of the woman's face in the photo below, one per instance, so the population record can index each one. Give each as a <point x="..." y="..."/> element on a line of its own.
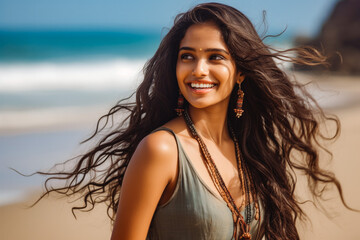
<point x="205" y="71"/>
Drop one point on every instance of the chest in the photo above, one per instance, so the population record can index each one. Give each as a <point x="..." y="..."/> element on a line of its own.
<point x="225" y="160"/>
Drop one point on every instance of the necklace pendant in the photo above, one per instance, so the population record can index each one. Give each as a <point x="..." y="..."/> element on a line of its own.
<point x="245" y="236"/>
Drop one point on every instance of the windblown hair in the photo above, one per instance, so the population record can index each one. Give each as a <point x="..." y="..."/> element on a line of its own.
<point x="280" y="119"/>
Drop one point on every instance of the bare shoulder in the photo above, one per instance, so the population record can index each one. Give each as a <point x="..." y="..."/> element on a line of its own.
<point x="159" y="144"/>
<point x="158" y="153"/>
<point x="163" y="142"/>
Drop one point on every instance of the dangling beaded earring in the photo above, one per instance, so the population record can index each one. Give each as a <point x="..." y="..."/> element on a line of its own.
<point x="238" y="109"/>
<point x="180" y="105"/>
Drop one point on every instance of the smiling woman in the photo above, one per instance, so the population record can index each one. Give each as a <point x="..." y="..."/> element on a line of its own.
<point x="222" y="168"/>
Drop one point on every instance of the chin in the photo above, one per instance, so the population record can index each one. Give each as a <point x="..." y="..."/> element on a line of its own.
<point x="203" y="104"/>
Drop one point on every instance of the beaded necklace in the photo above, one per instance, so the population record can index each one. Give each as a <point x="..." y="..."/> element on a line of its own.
<point x="248" y="189"/>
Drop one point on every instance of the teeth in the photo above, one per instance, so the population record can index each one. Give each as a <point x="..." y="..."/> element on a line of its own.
<point x="202" y="85"/>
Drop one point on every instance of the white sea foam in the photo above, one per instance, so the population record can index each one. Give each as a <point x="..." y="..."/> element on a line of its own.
<point x="86" y="75"/>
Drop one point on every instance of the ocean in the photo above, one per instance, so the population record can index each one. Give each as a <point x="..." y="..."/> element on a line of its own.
<point x="40" y="63"/>
<point x="49" y="78"/>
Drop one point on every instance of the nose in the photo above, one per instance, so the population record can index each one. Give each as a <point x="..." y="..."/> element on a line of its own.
<point x="200" y="69"/>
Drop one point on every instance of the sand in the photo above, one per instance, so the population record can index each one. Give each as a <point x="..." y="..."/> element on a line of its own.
<point x="343" y="224"/>
<point x="52" y="218"/>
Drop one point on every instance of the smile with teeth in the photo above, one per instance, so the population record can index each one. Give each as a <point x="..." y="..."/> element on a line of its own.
<point x="202" y="85"/>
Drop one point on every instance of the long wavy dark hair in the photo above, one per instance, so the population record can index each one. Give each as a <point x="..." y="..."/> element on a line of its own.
<point x="280" y="119"/>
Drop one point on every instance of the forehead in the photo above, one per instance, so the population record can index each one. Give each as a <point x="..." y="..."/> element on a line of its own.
<point x="204" y="35"/>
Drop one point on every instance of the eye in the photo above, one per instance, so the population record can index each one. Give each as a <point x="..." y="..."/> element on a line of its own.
<point x="217" y="57"/>
<point x="186" y="56"/>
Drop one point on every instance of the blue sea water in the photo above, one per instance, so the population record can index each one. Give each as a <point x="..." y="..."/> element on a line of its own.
<point x="72" y="45"/>
<point x="52" y="68"/>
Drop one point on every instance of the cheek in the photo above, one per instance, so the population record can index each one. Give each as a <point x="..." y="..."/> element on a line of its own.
<point x="181" y="72"/>
<point x="225" y="74"/>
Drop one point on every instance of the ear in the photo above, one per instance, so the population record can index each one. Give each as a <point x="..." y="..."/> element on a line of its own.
<point x="240" y="77"/>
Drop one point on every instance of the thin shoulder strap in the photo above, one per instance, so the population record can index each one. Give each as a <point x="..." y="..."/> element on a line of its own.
<point x="168" y="130"/>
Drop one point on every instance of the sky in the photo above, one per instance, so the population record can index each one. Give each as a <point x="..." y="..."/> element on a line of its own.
<point x="304" y="17"/>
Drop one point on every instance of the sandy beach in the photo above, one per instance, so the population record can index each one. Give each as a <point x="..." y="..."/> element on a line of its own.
<point x="52" y="217"/>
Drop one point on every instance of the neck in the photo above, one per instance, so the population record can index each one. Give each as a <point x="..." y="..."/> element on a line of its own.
<point x="211" y="123"/>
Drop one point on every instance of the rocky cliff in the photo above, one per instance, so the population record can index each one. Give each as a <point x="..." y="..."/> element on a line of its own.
<point x="339" y="37"/>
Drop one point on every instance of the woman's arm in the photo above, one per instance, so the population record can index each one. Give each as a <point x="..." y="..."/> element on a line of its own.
<point x="152" y="167"/>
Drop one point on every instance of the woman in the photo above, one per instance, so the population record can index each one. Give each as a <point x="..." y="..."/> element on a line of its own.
<point x="221" y="166"/>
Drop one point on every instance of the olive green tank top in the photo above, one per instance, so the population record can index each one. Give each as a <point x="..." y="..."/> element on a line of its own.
<point x="194" y="211"/>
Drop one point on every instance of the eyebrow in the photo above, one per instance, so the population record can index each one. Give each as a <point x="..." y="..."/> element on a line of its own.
<point x="206" y="50"/>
